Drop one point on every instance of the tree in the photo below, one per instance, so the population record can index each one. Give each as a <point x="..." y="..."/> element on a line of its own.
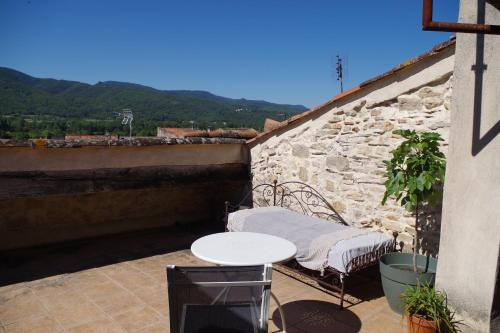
<point x="415" y="174"/>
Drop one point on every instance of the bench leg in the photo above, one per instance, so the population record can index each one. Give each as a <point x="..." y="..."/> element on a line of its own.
<point x="342" y="283"/>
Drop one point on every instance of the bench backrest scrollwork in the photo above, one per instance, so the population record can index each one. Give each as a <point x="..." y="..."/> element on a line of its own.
<point x="293" y="195"/>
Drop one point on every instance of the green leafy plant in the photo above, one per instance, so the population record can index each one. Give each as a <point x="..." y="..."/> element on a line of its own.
<point x="430" y="304"/>
<point x="415" y="174"/>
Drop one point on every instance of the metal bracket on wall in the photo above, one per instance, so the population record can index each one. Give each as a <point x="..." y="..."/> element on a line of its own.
<point x="429" y="25"/>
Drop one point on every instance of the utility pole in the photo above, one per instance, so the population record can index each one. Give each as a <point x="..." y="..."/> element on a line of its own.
<point x="339" y="73"/>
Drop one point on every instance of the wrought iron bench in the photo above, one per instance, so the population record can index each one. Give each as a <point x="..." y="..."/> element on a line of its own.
<point x="306" y="200"/>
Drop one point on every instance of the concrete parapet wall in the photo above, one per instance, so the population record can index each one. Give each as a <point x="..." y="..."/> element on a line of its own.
<point x="58" y="194"/>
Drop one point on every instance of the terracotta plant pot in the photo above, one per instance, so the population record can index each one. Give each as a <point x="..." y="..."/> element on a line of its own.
<point x="420" y="325"/>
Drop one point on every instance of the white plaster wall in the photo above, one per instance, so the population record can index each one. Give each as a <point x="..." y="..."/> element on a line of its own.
<point x="340" y="152"/>
<point x="470" y="234"/>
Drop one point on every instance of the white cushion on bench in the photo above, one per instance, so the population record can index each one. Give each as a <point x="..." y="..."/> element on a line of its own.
<point x="339" y="255"/>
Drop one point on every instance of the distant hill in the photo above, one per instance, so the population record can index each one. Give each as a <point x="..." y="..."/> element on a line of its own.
<point x="200" y="94"/>
<point x="24" y="95"/>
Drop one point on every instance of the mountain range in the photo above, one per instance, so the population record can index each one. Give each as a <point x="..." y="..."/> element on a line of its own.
<point x="24" y="95"/>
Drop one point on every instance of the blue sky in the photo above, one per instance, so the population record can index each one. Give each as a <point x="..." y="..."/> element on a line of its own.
<point x="280" y="51"/>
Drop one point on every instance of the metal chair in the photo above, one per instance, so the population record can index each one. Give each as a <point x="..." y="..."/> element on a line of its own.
<point x="219" y="299"/>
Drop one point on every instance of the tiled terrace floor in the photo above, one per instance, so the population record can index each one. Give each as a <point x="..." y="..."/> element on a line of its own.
<point x="131" y="296"/>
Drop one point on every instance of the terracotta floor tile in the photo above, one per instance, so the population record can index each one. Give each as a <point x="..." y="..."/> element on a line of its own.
<point x="159" y="327"/>
<point x="85" y="279"/>
<point x="132" y="296"/>
<point x="51" y="287"/>
<point x="43" y="324"/>
<point x="103" y="290"/>
<point x="272" y="328"/>
<point x="158" y="301"/>
<point x="293" y="314"/>
<point x="98" y="326"/>
<point x="78" y="313"/>
<point x="7" y="292"/>
<point x="147" y="264"/>
<point x="22" y="306"/>
<point x="383" y="322"/>
<point x="362" y="310"/>
<point x="137" y="319"/>
<point x="121" y="303"/>
<point x="133" y="280"/>
<point x="66" y="299"/>
<point x="323" y="323"/>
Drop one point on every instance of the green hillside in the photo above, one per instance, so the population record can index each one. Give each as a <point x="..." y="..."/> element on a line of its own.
<point x="34" y="107"/>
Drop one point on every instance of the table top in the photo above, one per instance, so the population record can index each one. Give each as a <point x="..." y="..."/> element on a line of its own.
<point x="243" y="249"/>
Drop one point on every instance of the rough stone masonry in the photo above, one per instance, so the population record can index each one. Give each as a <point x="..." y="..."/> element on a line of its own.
<point x="341" y="154"/>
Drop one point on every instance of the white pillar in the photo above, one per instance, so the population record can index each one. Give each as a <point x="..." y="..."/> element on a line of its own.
<point x="470" y="228"/>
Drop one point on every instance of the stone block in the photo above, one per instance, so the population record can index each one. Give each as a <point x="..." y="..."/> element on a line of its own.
<point x="330" y="132"/>
<point x="439" y="124"/>
<point x="392" y="225"/>
<point x="393" y="217"/>
<point x="303" y="174"/>
<point x="338" y="206"/>
<point x="376" y="112"/>
<point x="319" y="146"/>
<point x="356" y="196"/>
<point x="347" y="182"/>
<point x="330" y="186"/>
<point x="388" y="126"/>
<point x="339" y="163"/>
<point x="426" y="92"/>
<point x="432" y="102"/>
<point x="336" y="119"/>
<point x="371" y="104"/>
<point x="300" y="151"/>
<point x="348" y="176"/>
<point x="409" y="103"/>
<point x="447" y="105"/>
<point x="359" y="106"/>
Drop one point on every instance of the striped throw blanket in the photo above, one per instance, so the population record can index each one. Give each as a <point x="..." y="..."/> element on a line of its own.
<point x="313" y="236"/>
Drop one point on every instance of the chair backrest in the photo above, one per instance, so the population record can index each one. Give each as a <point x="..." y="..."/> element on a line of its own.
<point x="233" y="292"/>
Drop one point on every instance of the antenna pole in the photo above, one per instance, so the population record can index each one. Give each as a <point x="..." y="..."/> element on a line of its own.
<point x="127" y="118"/>
<point x="339" y="73"/>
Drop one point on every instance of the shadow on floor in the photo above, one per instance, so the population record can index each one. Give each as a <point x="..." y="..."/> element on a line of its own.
<point x="317" y="316"/>
<point x="361" y="286"/>
<point x="44" y="261"/>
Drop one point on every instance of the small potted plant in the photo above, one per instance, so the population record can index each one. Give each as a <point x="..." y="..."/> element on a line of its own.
<point x="427" y="311"/>
<point x="414" y="176"/>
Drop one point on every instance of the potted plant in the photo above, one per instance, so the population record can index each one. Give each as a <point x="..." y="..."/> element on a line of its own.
<point x="427" y="311"/>
<point x="415" y="176"/>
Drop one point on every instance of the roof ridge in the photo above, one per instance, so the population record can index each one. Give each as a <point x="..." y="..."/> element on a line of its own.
<point x="304" y="115"/>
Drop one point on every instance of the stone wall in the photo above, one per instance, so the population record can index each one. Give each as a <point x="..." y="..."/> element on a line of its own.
<point x="341" y="151"/>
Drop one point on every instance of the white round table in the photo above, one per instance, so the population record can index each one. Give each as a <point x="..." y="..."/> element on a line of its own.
<point x="245" y="249"/>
